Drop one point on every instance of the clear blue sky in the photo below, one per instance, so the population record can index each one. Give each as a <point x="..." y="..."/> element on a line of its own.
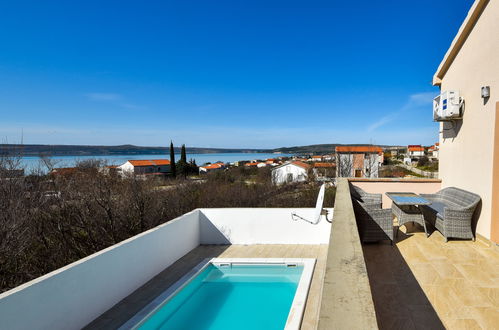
<point x="222" y="73"/>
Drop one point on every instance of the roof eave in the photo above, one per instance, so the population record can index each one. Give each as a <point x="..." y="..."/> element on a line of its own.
<point x="459" y="40"/>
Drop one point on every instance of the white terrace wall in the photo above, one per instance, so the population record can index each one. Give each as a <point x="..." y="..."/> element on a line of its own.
<point x="73" y="296"/>
<point x="261" y="226"/>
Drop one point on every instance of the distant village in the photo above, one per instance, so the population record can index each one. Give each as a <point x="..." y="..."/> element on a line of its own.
<point x="346" y="161"/>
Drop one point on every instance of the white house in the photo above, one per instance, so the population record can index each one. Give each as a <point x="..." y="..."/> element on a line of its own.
<point x="295" y="171"/>
<point x="140" y="167"/>
<point x="316" y="159"/>
<point x="211" y="168"/>
<point x="415" y="151"/>
<point x="434" y="150"/>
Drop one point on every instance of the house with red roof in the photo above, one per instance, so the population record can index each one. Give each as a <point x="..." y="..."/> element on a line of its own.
<point x="252" y="164"/>
<point x="211" y="167"/>
<point x="433" y="150"/>
<point x="294" y="171"/>
<point x="415" y="151"/>
<point x="358" y="161"/>
<point x="145" y="167"/>
<point x="316" y="158"/>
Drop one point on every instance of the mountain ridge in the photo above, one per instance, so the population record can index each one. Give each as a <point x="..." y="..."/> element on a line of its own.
<point x="129" y="149"/>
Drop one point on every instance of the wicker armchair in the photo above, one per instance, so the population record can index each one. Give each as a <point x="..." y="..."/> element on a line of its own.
<point x="364" y="197"/>
<point x="374" y="224"/>
<point x="451" y="212"/>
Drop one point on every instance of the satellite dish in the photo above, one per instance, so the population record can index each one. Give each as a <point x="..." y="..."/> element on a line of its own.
<point x="317" y="211"/>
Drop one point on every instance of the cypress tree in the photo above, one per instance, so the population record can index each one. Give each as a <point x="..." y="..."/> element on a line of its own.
<point x="183" y="155"/>
<point x="173" y="168"/>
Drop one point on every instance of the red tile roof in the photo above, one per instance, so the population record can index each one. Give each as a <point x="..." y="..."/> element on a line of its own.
<point x="213" y="166"/>
<point x="324" y="165"/>
<point x="301" y="164"/>
<point x="64" y="170"/>
<point x="361" y="149"/>
<point x="416" y="148"/>
<point x="151" y="162"/>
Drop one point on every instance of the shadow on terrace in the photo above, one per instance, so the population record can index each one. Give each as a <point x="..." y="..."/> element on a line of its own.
<point x="422" y="282"/>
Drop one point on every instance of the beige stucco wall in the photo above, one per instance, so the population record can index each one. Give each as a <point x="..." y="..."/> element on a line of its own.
<point x="382" y="186"/>
<point x="466" y="151"/>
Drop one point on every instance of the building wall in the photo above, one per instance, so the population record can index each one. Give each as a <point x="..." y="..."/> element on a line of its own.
<point x="382" y="186"/>
<point x="365" y="163"/>
<point x="358" y="164"/>
<point x="344" y="165"/>
<point x="467" y="148"/>
<point x="371" y="165"/>
<point x="416" y="153"/>
<point x="127" y="168"/>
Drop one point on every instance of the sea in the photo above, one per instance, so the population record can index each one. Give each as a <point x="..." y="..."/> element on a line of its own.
<point x="32" y="163"/>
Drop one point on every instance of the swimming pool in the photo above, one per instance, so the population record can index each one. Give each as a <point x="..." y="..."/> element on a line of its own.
<point x="232" y="294"/>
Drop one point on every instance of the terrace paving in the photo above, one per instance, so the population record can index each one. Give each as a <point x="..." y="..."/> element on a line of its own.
<point x="132" y="304"/>
<point x="426" y="283"/>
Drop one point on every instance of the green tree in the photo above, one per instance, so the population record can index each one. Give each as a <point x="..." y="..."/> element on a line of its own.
<point x="182" y="165"/>
<point x="183" y="155"/>
<point x="173" y="168"/>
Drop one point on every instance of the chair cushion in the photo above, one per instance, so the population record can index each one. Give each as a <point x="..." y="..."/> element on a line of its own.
<point x="438" y="207"/>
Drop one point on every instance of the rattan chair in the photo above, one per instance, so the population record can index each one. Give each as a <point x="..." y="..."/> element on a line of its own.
<point x="365" y="197"/>
<point x="451" y="212"/>
<point x="374" y="223"/>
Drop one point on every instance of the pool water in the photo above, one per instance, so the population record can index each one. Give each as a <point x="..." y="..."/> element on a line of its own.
<point x="230" y="297"/>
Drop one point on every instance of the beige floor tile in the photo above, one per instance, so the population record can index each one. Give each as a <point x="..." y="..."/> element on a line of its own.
<point x="469" y="295"/>
<point x="426" y="274"/>
<point x="464" y="324"/>
<point x="478" y="276"/>
<point x="446" y="270"/>
<point x="454" y="283"/>
<point x="492" y="294"/>
<point x="487" y="317"/>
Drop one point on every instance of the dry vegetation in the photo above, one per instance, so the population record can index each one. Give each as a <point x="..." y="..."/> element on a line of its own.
<point x="48" y="221"/>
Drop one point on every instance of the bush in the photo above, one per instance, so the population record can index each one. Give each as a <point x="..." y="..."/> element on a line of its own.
<point x="423" y="161"/>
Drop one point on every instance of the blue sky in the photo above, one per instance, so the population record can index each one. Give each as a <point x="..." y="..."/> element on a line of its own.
<point x="255" y="74"/>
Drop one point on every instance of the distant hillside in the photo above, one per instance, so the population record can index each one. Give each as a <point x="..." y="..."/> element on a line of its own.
<point x="127" y="149"/>
<point x="315" y="148"/>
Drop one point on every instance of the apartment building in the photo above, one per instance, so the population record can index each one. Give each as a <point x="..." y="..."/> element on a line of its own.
<point x="471" y="67"/>
<point x="358" y="161"/>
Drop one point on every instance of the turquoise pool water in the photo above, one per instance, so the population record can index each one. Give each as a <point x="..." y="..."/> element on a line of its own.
<point x="236" y="297"/>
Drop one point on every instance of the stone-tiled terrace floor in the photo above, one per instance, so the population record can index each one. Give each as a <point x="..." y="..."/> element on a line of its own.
<point x="426" y="283"/>
<point x="132" y="304"/>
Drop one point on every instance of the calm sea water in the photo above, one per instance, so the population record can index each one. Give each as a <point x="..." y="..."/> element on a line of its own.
<point x="33" y="162"/>
<point x="240" y="297"/>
